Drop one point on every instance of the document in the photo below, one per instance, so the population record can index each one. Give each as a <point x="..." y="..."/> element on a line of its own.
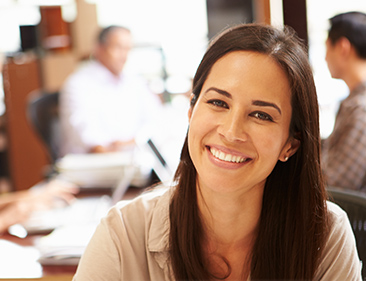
<point x="98" y="170"/>
<point x="65" y="245"/>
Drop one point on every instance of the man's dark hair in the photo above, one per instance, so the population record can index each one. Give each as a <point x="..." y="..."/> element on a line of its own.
<point x="351" y="25"/>
<point x="103" y="35"/>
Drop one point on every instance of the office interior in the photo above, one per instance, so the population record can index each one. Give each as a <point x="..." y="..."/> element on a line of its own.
<point x="43" y="41"/>
<point x="57" y="35"/>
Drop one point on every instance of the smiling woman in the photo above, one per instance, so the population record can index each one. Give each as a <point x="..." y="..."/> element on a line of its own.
<point x="249" y="201"/>
<point x="244" y="110"/>
<point x="265" y="217"/>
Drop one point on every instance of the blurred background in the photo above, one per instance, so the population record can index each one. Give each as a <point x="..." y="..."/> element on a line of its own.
<point x="43" y="41"/>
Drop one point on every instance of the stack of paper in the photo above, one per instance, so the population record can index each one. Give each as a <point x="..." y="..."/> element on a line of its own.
<point x="65" y="245"/>
<point x="100" y="169"/>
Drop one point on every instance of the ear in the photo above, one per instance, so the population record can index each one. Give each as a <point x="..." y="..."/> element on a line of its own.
<point x="289" y="149"/>
<point x="345" y="46"/>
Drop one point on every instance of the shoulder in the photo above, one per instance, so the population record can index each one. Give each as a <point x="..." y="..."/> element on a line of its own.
<point x="141" y="224"/>
<point x="339" y="225"/>
<point x="89" y="77"/>
<point x="339" y="259"/>
<point x="335" y="213"/>
<point x="146" y="202"/>
<point x="86" y="70"/>
<point x="120" y="248"/>
<point x="356" y="101"/>
<point x="138" y="213"/>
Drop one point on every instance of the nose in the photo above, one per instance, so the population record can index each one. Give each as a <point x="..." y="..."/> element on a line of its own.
<point x="233" y="128"/>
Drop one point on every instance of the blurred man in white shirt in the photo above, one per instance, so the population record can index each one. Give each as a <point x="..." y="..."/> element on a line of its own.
<point x="102" y="109"/>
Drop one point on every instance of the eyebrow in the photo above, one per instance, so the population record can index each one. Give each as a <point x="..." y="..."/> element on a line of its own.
<point x="255" y="102"/>
<point x="222" y="92"/>
<point x="264" y="103"/>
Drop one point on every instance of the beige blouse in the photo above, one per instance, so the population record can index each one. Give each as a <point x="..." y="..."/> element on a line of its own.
<point x="131" y="244"/>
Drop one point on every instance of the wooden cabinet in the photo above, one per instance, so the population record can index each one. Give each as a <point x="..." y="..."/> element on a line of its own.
<point x="26" y="155"/>
<point x="63" y="44"/>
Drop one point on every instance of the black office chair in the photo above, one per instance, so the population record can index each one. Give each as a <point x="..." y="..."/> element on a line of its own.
<point x="44" y="118"/>
<point x="354" y="203"/>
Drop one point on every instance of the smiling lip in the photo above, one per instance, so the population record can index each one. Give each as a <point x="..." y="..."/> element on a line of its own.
<point x="225" y="158"/>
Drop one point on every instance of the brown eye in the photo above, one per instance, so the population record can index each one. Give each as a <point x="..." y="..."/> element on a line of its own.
<point x="218" y="103"/>
<point x="262" y="116"/>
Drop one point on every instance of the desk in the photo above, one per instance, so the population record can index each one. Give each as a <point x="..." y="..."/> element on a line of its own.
<point x="18" y="257"/>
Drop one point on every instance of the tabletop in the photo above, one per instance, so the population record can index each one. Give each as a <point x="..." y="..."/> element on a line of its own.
<point x="18" y="261"/>
<point x="19" y="256"/>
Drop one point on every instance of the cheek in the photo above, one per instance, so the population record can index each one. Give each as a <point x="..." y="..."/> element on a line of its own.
<point x="200" y="121"/>
<point x="270" y="143"/>
<point x="196" y="130"/>
<point x="199" y="127"/>
<point x="331" y="63"/>
<point x="194" y="145"/>
<point x="327" y="55"/>
<point x="114" y="56"/>
<point x="269" y="148"/>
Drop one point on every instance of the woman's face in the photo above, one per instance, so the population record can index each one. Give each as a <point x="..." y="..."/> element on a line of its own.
<point x="239" y="127"/>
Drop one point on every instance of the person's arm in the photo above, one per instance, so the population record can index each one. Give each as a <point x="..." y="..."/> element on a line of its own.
<point x="114" y="146"/>
<point x="16" y="207"/>
<point x="56" y="189"/>
<point x="12" y="197"/>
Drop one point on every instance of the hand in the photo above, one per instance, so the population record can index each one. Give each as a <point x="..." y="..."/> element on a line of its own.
<point x="16" y="207"/>
<point x="17" y="212"/>
<point x="121" y="145"/>
<point x="114" y="146"/>
<point x="98" y="149"/>
<point x="55" y="190"/>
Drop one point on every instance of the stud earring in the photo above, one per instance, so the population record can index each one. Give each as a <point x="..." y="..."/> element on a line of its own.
<point x="286" y="158"/>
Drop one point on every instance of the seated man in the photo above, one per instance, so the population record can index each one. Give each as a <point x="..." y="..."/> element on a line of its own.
<point x="344" y="151"/>
<point x="102" y="108"/>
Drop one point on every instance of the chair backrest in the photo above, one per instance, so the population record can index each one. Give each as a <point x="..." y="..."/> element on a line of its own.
<point x="43" y="114"/>
<point x="354" y="203"/>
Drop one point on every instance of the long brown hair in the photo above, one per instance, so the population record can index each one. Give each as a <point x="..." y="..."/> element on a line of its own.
<point x="293" y="222"/>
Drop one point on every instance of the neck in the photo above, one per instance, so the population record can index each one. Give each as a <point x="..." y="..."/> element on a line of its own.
<point x="355" y="74"/>
<point x="238" y="213"/>
<point x="230" y="223"/>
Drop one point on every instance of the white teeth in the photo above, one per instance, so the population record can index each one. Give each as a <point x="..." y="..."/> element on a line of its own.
<point x="229" y="158"/>
<point x="226" y="157"/>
